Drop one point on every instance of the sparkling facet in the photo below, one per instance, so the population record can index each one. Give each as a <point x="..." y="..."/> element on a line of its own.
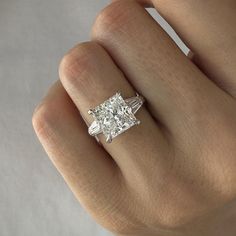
<point x="114" y="116"/>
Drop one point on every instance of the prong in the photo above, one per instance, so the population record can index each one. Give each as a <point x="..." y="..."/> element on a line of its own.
<point x="109" y="138"/>
<point x="118" y="93"/>
<point x="140" y="98"/>
<point x="90" y="111"/>
<point x="137" y="122"/>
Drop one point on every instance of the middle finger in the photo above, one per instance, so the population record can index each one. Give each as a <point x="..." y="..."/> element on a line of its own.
<point x="153" y="63"/>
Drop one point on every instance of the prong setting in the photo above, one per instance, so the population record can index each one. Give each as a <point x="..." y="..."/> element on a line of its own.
<point x="90" y="111"/>
<point x="109" y="138"/>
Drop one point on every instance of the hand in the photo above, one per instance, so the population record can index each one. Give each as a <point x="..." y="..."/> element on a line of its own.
<point x="175" y="173"/>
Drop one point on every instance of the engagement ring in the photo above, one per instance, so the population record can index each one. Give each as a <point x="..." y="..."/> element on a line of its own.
<point x="114" y="116"/>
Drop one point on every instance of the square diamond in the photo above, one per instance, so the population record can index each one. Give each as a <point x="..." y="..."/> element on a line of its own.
<point x="114" y="116"/>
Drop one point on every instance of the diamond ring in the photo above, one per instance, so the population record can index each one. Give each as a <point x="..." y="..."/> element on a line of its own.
<point x="115" y="116"/>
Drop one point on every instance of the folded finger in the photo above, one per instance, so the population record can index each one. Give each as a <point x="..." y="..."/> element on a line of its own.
<point x="208" y="28"/>
<point x="88" y="170"/>
<point x="90" y="77"/>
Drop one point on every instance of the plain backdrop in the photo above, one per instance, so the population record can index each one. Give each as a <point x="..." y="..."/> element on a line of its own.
<point x="34" y="35"/>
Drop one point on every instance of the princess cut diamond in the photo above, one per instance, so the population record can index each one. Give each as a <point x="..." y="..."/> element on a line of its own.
<point x="114" y="116"/>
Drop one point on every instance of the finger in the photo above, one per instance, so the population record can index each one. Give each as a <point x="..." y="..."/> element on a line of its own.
<point x="152" y="62"/>
<point x="90" y="77"/>
<point x="207" y="27"/>
<point x="145" y="3"/>
<point x="88" y="170"/>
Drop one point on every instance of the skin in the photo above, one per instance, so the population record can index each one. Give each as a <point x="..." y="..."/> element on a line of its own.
<point x="175" y="173"/>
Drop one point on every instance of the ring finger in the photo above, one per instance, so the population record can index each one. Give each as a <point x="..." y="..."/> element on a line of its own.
<point x="90" y="77"/>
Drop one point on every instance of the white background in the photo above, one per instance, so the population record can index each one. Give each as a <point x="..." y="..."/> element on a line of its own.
<point x="34" y="35"/>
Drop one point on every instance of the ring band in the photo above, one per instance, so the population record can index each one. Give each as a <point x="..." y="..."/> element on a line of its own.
<point x="115" y="116"/>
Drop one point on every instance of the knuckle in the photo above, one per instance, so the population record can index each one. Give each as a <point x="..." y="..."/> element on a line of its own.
<point x="41" y="119"/>
<point x="77" y="63"/>
<point x="37" y="119"/>
<point x="111" y="19"/>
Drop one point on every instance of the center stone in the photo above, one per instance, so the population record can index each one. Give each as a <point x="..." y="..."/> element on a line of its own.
<point x="114" y="116"/>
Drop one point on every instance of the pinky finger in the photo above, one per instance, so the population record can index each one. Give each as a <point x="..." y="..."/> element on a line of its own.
<point x="88" y="170"/>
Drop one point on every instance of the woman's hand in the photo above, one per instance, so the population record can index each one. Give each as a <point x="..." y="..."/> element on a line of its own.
<point x="175" y="174"/>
